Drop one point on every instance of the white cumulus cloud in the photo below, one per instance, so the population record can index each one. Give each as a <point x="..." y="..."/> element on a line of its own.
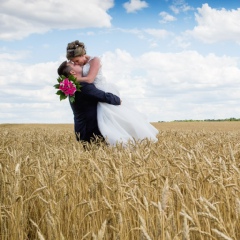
<point x="166" y="17"/>
<point x="134" y="5"/>
<point x="164" y="86"/>
<point x="180" y="6"/>
<point x="215" y="25"/>
<point x="19" y="19"/>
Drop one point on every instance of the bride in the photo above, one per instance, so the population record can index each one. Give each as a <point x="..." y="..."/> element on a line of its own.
<point x="116" y="123"/>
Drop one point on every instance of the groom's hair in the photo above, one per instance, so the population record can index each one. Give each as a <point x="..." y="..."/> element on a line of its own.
<point x="64" y="69"/>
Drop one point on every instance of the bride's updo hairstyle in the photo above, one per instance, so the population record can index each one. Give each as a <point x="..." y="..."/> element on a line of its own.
<point x="75" y="49"/>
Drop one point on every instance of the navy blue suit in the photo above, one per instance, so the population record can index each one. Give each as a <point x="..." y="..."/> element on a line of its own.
<point x="85" y="110"/>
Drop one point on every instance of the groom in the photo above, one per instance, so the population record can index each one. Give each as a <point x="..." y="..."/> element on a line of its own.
<point x="85" y="106"/>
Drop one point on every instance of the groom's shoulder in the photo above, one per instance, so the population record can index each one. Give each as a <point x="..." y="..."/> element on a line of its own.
<point x="87" y="85"/>
<point x="84" y="83"/>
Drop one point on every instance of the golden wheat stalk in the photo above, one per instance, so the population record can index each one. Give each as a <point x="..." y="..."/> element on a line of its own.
<point x="221" y="235"/>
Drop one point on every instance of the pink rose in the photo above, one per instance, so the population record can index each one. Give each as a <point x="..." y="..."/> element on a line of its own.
<point x="67" y="87"/>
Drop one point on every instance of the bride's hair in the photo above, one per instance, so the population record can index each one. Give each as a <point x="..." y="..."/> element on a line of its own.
<point x="75" y="49"/>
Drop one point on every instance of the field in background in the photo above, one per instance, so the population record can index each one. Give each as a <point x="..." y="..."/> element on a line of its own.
<point x="185" y="186"/>
<point x="205" y="126"/>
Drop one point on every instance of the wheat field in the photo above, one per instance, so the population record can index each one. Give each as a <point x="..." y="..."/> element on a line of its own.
<point x="185" y="186"/>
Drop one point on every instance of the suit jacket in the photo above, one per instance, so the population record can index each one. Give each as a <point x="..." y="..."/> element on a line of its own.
<point x="85" y="110"/>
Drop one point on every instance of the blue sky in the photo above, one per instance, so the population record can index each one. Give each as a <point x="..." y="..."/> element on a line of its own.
<point x="171" y="59"/>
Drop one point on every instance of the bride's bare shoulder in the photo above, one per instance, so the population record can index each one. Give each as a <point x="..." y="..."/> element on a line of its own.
<point x="94" y="58"/>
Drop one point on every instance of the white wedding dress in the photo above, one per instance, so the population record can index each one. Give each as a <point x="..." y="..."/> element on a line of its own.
<point x="122" y="123"/>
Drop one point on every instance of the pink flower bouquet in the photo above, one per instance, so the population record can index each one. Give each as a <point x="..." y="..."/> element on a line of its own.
<point x="67" y="87"/>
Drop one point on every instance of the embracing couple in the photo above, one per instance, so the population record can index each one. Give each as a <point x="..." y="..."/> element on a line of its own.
<point x="98" y="110"/>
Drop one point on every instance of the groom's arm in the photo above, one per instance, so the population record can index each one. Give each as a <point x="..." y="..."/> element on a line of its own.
<point x="91" y="91"/>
